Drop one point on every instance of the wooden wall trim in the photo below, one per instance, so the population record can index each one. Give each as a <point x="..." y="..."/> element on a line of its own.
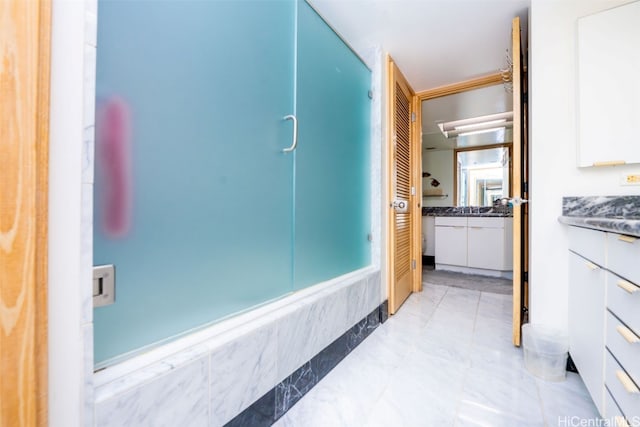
<point x="476" y="83"/>
<point x="25" y="39"/>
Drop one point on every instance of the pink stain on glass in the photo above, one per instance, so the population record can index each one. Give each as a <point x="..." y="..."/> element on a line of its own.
<point x="113" y="147"/>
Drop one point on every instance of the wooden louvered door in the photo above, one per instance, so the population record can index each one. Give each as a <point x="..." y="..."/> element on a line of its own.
<point x="402" y="191"/>
<point x="519" y="188"/>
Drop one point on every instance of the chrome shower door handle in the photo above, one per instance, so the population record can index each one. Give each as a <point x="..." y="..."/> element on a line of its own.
<point x="294" y="144"/>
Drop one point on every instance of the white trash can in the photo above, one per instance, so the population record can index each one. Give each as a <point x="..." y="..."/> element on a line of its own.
<point x="545" y="351"/>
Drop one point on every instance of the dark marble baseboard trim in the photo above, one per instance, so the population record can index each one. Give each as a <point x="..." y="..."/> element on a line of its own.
<point x="384" y="311"/>
<point x="429" y="260"/>
<point x="277" y="401"/>
<point x="571" y="367"/>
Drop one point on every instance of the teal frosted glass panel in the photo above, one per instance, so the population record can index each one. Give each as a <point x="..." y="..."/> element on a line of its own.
<point x="193" y="196"/>
<point x="332" y="188"/>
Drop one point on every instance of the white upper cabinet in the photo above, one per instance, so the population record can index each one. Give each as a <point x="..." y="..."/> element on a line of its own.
<point x="609" y="87"/>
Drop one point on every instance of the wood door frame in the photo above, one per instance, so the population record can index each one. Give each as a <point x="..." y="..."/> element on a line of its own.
<point x="463" y="86"/>
<point x="452" y="89"/>
<point x="520" y="212"/>
<point x="25" y="73"/>
<point x="477" y="83"/>
<point x="416" y="181"/>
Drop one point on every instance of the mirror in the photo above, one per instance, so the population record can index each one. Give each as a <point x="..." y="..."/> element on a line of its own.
<point x="482" y="176"/>
<point x="439" y="155"/>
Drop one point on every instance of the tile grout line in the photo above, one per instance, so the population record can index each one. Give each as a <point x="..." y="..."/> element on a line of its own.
<point x="412" y="348"/>
<point x="456" y="412"/>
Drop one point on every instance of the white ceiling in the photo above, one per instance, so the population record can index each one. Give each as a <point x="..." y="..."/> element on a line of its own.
<point x="434" y="42"/>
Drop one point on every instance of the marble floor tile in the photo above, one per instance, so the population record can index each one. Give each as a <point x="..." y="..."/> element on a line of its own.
<point x="445" y="359"/>
<point x="565" y="399"/>
<point x="499" y="394"/>
<point x="436" y="343"/>
<point x="423" y="309"/>
<point x="415" y="398"/>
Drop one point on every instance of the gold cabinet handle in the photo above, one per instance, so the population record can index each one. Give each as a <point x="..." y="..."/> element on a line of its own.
<point x="620" y="421"/>
<point x="591" y="266"/>
<point x="627" y="334"/>
<point x="627" y="239"/>
<point x="609" y="163"/>
<point x="627" y="382"/>
<point x="628" y="286"/>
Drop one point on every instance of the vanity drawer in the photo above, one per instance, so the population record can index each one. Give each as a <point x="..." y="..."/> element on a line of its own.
<point x="486" y="222"/>
<point x="611" y="410"/>
<point x="623" y="299"/>
<point x="625" y="392"/>
<point x="624" y="256"/>
<point x="451" y="221"/>
<point x="586" y="324"/>
<point x="587" y="243"/>
<point x="624" y="344"/>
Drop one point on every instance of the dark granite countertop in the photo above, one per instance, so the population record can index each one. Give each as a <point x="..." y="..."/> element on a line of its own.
<point x="617" y="214"/>
<point x="480" y="211"/>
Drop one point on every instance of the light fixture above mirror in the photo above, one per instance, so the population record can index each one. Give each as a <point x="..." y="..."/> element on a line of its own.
<point x="477" y="125"/>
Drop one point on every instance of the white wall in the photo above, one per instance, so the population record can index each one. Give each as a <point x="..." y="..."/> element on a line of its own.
<point x="439" y="164"/>
<point x="554" y="174"/>
<point x="69" y="316"/>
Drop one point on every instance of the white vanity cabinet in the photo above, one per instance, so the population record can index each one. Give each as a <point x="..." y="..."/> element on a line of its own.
<point x="604" y="318"/>
<point x="480" y="245"/>
<point x="586" y="308"/>
<point x="451" y="240"/>
<point x="490" y="243"/>
<point x="622" y="355"/>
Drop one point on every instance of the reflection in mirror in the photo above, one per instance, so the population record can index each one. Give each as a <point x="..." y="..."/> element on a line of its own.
<point x="439" y="152"/>
<point x="482" y="175"/>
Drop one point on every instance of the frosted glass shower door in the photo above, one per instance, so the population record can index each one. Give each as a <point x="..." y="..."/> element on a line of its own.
<point x="193" y="194"/>
<point x="332" y="207"/>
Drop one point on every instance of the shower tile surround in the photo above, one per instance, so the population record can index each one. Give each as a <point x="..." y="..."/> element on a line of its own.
<point x="241" y="359"/>
<point x="211" y="376"/>
<point x="87" y="179"/>
<point x="287" y="393"/>
<point x="618" y="214"/>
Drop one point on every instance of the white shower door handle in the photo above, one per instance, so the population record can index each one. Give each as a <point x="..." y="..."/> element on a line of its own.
<point x="294" y="144"/>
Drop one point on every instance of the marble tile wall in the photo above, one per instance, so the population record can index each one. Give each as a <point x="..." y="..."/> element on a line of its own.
<point x="86" y="255"/>
<point x="265" y="365"/>
<point x="241" y="372"/>
<point x="289" y="391"/>
<point x="179" y="398"/>
<point x="374" y="58"/>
